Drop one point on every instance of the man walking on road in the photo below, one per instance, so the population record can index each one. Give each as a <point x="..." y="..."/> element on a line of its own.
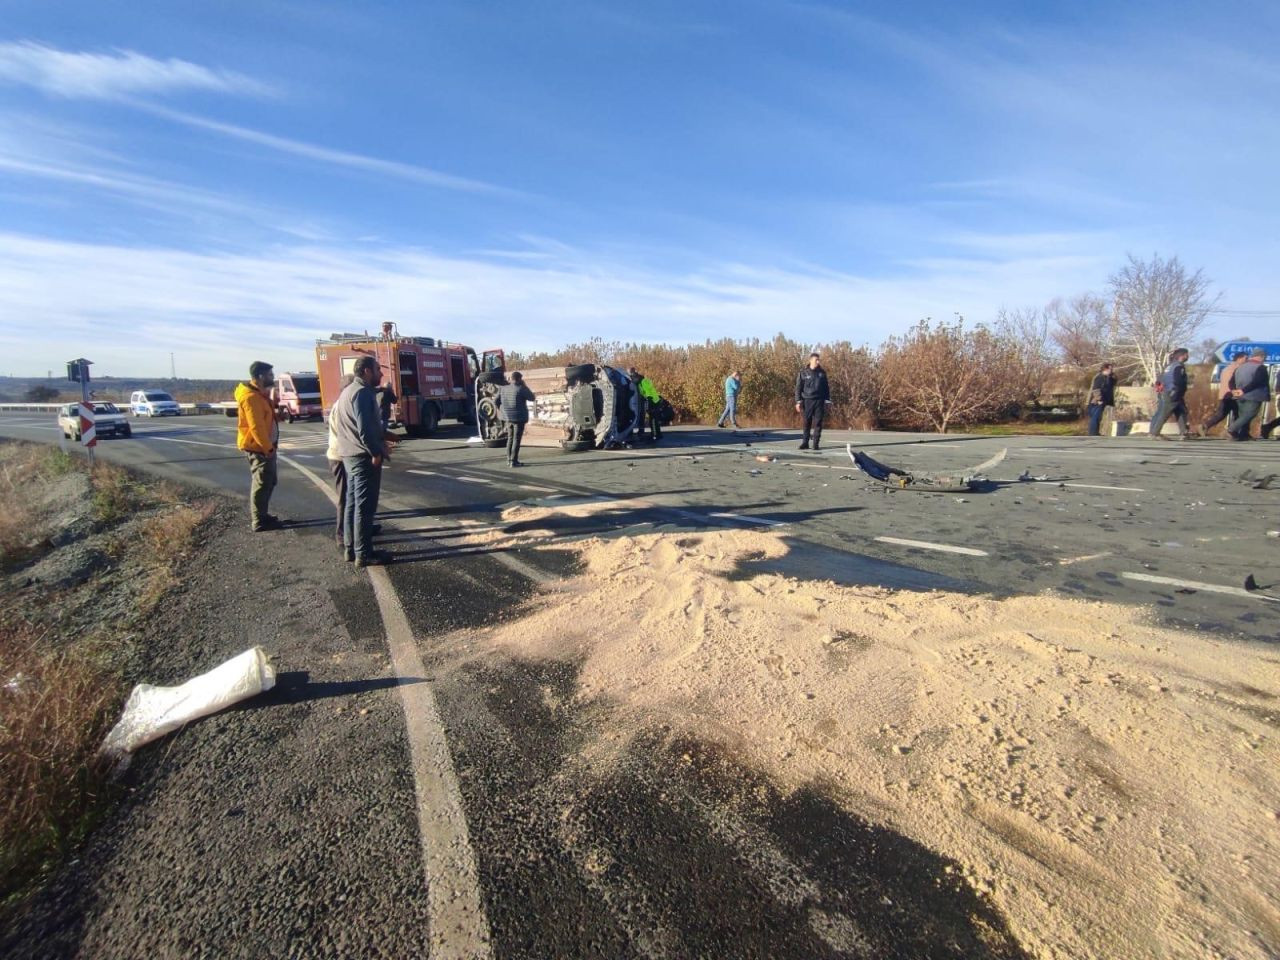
<point x="258" y="435"/>
<point x="812" y="396"/>
<point x="1102" y="394"/>
<point x="732" y="387"/>
<point x="1226" y="400"/>
<point x="649" y="401"/>
<point x="357" y="426"/>
<point x="1250" y="387"/>
<point x="1173" y="396"/>
<point x="513" y="409"/>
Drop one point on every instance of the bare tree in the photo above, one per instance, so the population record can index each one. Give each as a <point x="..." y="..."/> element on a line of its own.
<point x="1156" y="306"/>
<point x="1080" y="329"/>
<point x="944" y="376"/>
<point x="1026" y="331"/>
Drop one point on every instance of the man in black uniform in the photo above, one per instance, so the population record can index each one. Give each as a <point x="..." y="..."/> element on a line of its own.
<point x="812" y="396"/>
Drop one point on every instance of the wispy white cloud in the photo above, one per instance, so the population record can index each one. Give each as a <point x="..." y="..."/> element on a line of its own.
<point x="110" y="76"/>
<point x="214" y="308"/>
<point x="342" y="158"/>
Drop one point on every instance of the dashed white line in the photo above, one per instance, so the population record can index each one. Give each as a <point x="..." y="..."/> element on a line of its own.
<point x="1197" y="585"/>
<point x="472" y="479"/>
<point x="530" y="486"/>
<point x="762" y="521"/>
<point x="423" y="473"/>
<point x="929" y="545"/>
<point x="1098" y="486"/>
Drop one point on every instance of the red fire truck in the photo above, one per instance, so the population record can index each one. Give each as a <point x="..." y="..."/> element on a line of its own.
<point x="433" y="379"/>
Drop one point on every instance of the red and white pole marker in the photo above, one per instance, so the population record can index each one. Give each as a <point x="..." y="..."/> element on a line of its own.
<point x="88" y="427"/>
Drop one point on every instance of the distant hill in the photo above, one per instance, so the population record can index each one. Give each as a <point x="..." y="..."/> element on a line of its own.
<point x="14" y="389"/>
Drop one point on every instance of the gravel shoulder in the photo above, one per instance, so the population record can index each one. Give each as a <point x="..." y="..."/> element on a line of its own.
<point x="283" y="827"/>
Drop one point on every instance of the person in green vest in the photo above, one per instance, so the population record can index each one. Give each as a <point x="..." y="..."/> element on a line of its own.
<point x="649" y="400"/>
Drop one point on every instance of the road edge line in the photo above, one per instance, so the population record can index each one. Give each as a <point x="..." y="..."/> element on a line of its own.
<point x="459" y="926"/>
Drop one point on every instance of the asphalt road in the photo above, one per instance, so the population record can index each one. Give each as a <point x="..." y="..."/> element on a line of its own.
<point x="682" y="851"/>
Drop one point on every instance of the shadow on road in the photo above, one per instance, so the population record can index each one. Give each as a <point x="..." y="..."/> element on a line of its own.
<point x="296" y="686"/>
<point x="670" y="845"/>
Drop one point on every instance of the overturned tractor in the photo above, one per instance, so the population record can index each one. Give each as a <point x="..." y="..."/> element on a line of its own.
<point x="578" y="407"/>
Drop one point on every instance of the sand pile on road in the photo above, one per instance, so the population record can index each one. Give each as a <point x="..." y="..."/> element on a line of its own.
<point x="1111" y="784"/>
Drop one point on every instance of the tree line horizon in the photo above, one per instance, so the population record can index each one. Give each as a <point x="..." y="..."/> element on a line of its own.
<point x="939" y="374"/>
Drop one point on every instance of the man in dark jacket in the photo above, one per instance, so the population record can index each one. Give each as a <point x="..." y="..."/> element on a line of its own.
<point x="1251" y="387"/>
<point x="812" y="396"/>
<point x="1102" y="394"/>
<point x="357" y="428"/>
<point x="1226" y="399"/>
<point x="1173" y="396"/>
<point x="513" y="410"/>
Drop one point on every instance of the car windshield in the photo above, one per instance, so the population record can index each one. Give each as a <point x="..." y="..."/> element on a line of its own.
<point x="306" y="384"/>
<point x="105" y="408"/>
<point x="158" y="395"/>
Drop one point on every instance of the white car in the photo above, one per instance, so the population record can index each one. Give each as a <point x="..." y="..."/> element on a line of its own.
<point x="108" y="421"/>
<point x="153" y="403"/>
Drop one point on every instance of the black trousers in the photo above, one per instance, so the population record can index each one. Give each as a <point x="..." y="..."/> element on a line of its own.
<point x="515" y="433"/>
<point x="1226" y="408"/>
<point x="652" y="406"/>
<point x="814" y="412"/>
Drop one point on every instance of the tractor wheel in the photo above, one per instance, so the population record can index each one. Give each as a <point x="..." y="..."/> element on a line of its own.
<point x="580" y="373"/>
<point x="577" y="446"/>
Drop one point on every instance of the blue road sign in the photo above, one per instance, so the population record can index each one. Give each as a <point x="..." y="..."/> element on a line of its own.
<point x="1248" y="346"/>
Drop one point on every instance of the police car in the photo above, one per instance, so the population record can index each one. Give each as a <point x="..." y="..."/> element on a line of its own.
<point x="153" y="403"/>
<point x="108" y="421"/>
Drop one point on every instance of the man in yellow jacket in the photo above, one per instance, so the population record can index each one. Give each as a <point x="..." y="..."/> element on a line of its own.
<point x="258" y="435"/>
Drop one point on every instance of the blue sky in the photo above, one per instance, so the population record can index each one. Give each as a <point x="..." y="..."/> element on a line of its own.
<point x="230" y="181"/>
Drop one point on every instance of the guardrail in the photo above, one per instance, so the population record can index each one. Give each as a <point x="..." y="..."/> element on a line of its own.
<point x="191" y="409"/>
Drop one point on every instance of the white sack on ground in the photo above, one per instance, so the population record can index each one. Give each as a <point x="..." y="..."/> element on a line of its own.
<point x="154" y="711"/>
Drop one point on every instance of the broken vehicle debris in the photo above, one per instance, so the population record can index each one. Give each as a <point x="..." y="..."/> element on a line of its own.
<point x="895" y="478"/>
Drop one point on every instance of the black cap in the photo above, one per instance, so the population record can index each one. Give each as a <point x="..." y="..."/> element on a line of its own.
<point x="259" y="366"/>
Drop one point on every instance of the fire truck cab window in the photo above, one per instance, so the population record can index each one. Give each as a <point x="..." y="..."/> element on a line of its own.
<point x="458" y="370"/>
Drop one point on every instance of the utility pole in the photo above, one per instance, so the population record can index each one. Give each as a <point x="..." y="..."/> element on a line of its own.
<point x="173" y="371"/>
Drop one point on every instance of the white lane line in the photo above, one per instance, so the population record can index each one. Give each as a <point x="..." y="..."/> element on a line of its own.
<point x="1197" y="585"/>
<point x="457" y="923"/>
<point x="1067" y="561"/>
<point x="423" y="473"/>
<point x="1098" y="486"/>
<point x="198" y="443"/>
<point x="762" y="521"/>
<point x="530" y="486"/>
<point x="928" y="545"/>
<point x="472" y="479"/>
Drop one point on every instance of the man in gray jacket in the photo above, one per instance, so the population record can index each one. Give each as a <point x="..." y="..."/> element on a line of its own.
<point x="1250" y="385"/>
<point x="513" y="410"/>
<point x="357" y="429"/>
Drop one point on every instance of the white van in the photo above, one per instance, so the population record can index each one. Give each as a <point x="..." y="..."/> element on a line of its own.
<point x="153" y="403"/>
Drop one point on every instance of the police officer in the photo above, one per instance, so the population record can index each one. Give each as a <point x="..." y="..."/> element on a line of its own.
<point x="812" y="396"/>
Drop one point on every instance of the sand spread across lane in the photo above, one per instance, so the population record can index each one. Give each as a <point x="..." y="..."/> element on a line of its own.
<point x="1111" y="784"/>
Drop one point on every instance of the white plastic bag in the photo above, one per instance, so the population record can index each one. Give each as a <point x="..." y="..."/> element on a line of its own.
<point x="154" y="711"/>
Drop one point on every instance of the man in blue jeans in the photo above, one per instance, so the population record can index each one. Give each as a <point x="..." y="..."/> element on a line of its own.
<point x="732" y="387"/>
<point x="357" y="428"/>
<point x="1250" y="385"/>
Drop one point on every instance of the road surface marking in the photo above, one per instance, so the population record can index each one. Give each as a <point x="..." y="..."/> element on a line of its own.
<point x="763" y="521"/>
<point x="928" y="545"/>
<point x="1197" y="585"/>
<point x="457" y="923"/>
<point x="472" y="479"/>
<point x="423" y="473"/>
<point x="530" y="486"/>
<point x="1098" y="486"/>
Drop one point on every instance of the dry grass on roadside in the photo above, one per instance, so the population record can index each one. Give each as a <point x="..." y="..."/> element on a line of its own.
<point x="168" y="539"/>
<point x="55" y="707"/>
<point x="60" y="686"/>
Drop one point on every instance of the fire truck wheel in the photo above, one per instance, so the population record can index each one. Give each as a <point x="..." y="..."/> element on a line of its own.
<point x="430" y="417"/>
<point x="576" y="446"/>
